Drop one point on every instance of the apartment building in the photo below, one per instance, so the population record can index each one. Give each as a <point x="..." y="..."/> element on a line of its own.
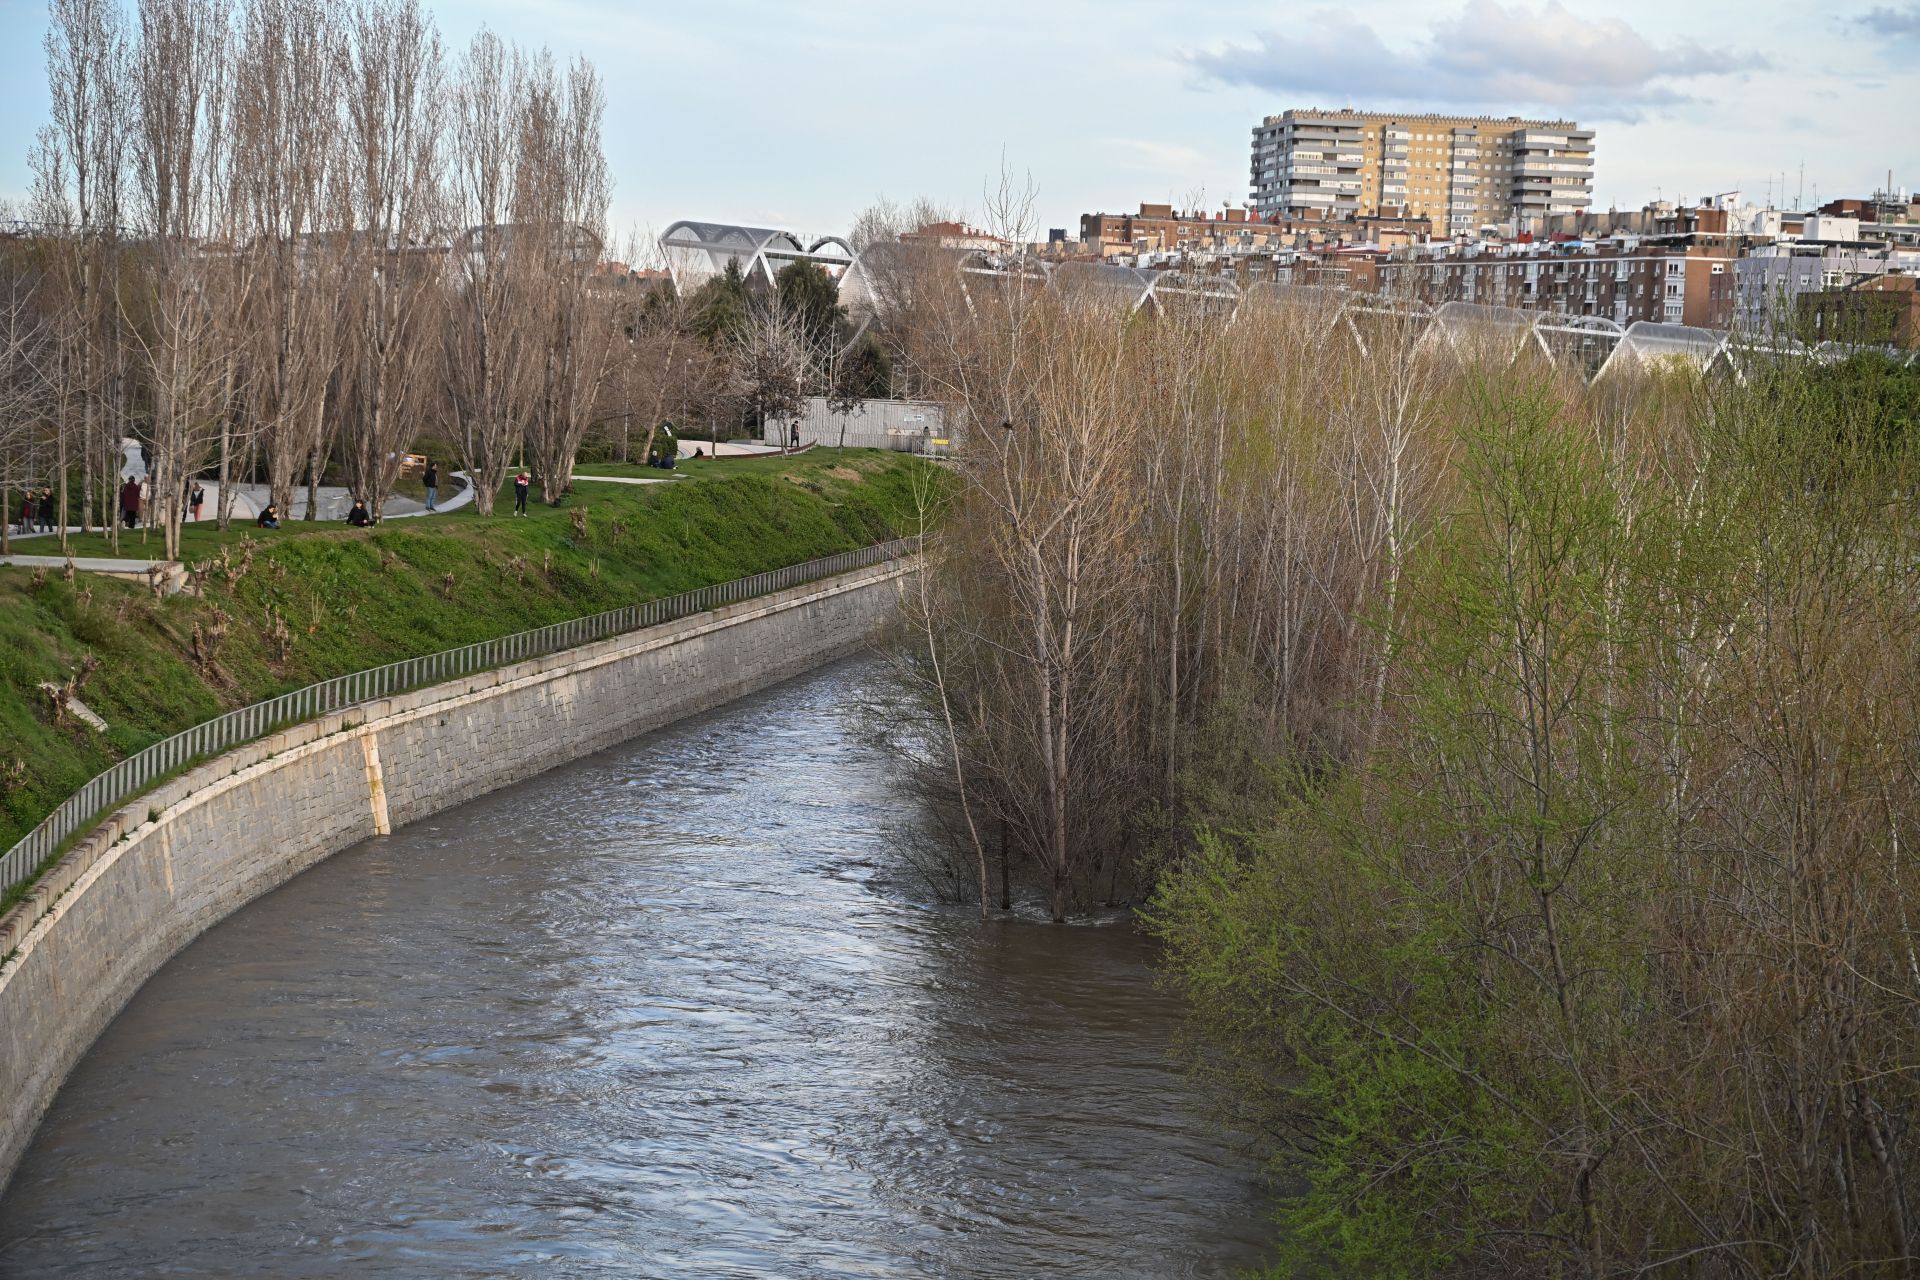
<point x="1880" y="309"/>
<point x="1771" y="279"/>
<point x="1458" y="173"/>
<point x="1160" y="228"/>
<point x="1163" y="229"/>
<point x="1679" y="283"/>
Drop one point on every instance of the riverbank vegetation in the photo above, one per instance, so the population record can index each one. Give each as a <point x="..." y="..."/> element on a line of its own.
<point x="1523" y="772"/>
<point x="274" y="610"/>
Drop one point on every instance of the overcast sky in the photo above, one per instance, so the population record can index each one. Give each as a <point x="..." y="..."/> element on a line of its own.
<point x="800" y="115"/>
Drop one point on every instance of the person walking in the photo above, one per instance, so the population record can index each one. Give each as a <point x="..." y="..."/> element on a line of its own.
<point x="46" y="509"/>
<point x="130" y="503"/>
<point x="431" y="479"/>
<point x="521" y="483"/>
<point x="196" y="499"/>
<point x="25" y="523"/>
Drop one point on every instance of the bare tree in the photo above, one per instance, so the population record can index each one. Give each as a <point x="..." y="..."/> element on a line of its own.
<point x="80" y="169"/>
<point x="492" y="350"/>
<point x="287" y="184"/>
<point x="391" y="79"/>
<point x="26" y="353"/>
<point x="663" y="370"/>
<point x="181" y="317"/>
<point x="562" y="196"/>
<point x="774" y="359"/>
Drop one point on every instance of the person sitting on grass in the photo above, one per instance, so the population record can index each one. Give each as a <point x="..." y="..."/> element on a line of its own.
<point x="359" y="517"/>
<point x="269" y="517"/>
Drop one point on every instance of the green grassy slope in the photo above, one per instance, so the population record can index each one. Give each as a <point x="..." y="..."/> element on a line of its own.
<point x="288" y="607"/>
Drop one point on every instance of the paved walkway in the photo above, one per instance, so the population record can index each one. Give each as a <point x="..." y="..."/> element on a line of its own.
<point x="86" y="564"/>
<point x="728" y="448"/>
<point x="669" y="479"/>
<point x="333" y="501"/>
<point x="725" y="449"/>
<point x="171" y="574"/>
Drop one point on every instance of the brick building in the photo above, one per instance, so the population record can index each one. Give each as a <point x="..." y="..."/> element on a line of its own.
<point x="1162" y="229"/>
<point x="1880" y="309"/>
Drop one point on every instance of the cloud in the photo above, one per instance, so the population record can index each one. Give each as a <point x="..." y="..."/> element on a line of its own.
<point x="1886" y="21"/>
<point x="1488" y="55"/>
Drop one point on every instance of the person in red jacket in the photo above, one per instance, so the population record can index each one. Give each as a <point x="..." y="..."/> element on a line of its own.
<point x="130" y="503"/>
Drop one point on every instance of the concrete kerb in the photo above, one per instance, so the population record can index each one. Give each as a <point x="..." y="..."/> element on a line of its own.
<point x="60" y="985"/>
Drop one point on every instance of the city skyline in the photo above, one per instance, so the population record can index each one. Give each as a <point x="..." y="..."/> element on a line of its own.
<point x="821" y="112"/>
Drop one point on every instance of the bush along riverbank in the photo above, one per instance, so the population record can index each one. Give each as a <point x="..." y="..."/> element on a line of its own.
<point x="275" y="610"/>
<point x="1600" y="958"/>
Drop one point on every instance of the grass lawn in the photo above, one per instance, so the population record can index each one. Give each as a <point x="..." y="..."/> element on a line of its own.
<point x="306" y="602"/>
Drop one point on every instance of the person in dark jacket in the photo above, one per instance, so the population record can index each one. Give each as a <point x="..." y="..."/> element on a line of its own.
<point x="359" y="517"/>
<point x="46" y="510"/>
<point x="25" y="523"/>
<point x="269" y="517"/>
<point x="196" y="499"/>
<point x="521" y="483"/>
<point x="130" y="503"/>
<point x="431" y="479"/>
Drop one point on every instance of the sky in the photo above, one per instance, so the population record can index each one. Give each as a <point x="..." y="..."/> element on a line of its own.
<point x="799" y="116"/>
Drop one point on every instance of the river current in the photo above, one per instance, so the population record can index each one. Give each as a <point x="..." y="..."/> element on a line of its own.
<point x="682" y="1009"/>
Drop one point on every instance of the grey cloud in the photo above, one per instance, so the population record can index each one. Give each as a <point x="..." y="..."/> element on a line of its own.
<point x="1887" y="21"/>
<point x="1487" y="55"/>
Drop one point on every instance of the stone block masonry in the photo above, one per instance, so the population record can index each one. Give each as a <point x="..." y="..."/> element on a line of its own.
<point x="154" y="876"/>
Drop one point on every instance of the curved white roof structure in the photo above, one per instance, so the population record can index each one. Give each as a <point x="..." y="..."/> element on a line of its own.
<point x="698" y="251"/>
<point x="1648" y="341"/>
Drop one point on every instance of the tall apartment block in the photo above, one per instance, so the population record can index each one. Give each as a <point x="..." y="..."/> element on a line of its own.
<point x="1458" y="172"/>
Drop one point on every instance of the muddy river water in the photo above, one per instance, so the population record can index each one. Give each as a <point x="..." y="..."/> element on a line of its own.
<point x="682" y="1009"/>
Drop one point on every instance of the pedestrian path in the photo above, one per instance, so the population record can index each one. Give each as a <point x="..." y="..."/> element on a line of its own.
<point x="169" y="575"/>
<point x="332" y="501"/>
<point x="87" y="564"/>
<point x="669" y="479"/>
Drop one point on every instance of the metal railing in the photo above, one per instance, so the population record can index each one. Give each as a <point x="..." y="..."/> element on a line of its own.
<point x="135" y="773"/>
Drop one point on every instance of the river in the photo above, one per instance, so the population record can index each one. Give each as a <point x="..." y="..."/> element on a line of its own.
<point x="681" y="1009"/>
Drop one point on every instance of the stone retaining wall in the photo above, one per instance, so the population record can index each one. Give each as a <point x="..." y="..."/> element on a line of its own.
<point x="156" y="874"/>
